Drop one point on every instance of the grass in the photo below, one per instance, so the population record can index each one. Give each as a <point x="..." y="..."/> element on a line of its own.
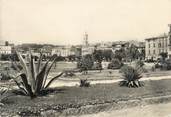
<point x="66" y="97"/>
<point x="95" y="74"/>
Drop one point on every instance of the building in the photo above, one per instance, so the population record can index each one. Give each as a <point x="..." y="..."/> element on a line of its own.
<point x="6" y="48"/>
<point x="64" y="51"/>
<point x="86" y="48"/>
<point x="169" y="39"/>
<point x="156" y="45"/>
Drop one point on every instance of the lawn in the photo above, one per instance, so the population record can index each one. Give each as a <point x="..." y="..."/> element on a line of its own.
<point x="60" y="99"/>
<point x="64" y="98"/>
<point x="105" y="74"/>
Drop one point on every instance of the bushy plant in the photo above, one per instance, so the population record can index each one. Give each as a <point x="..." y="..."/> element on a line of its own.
<point x="115" y="64"/>
<point x="86" y="63"/>
<point x="97" y="66"/>
<point x="131" y="76"/>
<point x="34" y="76"/>
<point x="84" y="83"/>
<point x="4" y="76"/>
<point x="166" y="65"/>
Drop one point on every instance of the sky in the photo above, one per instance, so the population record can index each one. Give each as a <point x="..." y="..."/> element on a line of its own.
<point x="65" y="21"/>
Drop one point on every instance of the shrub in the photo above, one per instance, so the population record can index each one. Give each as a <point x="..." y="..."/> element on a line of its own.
<point x="115" y="64"/>
<point x="86" y="63"/>
<point x="5" y="57"/>
<point x="84" y="83"/>
<point x="131" y="77"/>
<point x="164" y="65"/>
<point x="97" y="66"/>
<point x="34" y="76"/>
<point x="157" y="65"/>
<point x="4" y="76"/>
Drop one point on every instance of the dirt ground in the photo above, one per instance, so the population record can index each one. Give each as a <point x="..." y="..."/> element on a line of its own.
<point x="156" y="110"/>
<point x="75" y="97"/>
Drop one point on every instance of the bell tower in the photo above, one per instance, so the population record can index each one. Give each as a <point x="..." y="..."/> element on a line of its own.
<point x="85" y="39"/>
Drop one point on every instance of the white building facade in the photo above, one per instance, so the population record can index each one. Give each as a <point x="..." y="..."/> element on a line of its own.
<point x="63" y="51"/>
<point x="5" y="49"/>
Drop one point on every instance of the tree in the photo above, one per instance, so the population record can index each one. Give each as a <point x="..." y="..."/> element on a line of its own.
<point x="98" y="55"/>
<point x="86" y="63"/>
<point x="107" y="54"/>
<point x="120" y="54"/>
<point x="133" y="52"/>
<point x="164" y="55"/>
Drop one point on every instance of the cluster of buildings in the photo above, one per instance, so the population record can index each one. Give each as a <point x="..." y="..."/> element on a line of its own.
<point x="152" y="46"/>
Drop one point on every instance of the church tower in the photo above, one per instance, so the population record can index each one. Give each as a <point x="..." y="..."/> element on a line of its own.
<point x="85" y="39"/>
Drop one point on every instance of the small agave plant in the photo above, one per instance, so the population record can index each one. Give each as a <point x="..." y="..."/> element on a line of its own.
<point x="131" y="76"/>
<point x="34" y="75"/>
<point x="3" y="94"/>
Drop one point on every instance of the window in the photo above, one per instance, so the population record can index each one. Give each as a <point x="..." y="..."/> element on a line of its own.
<point x="149" y="45"/>
<point x="149" y="51"/>
<point x="154" y="45"/>
<point x="159" y="45"/>
<point x="154" y="52"/>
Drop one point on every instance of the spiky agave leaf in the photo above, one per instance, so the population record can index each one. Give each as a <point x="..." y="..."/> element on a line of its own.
<point x="3" y="90"/>
<point x="23" y="63"/>
<point x="39" y="62"/>
<point x="25" y="67"/>
<point x="40" y="77"/>
<point x="53" y="79"/>
<point x="20" y="86"/>
<point x="47" y="72"/>
<point x="33" y="72"/>
<point x="27" y="85"/>
<point x="4" y="93"/>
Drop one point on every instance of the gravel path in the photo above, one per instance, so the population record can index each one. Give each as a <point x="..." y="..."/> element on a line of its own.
<point x="60" y="83"/>
<point x="156" y="110"/>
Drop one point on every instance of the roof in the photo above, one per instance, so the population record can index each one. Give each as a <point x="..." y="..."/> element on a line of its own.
<point x="157" y="37"/>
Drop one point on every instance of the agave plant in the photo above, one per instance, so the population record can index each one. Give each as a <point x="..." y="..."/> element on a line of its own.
<point x="34" y="75"/>
<point x="3" y="94"/>
<point x="131" y="76"/>
<point x="84" y="83"/>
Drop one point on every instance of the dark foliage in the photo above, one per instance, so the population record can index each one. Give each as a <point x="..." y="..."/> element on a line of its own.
<point x="115" y="64"/>
<point x="84" y="83"/>
<point x="86" y="63"/>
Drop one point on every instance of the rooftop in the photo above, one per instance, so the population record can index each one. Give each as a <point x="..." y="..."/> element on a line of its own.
<point x="157" y="37"/>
